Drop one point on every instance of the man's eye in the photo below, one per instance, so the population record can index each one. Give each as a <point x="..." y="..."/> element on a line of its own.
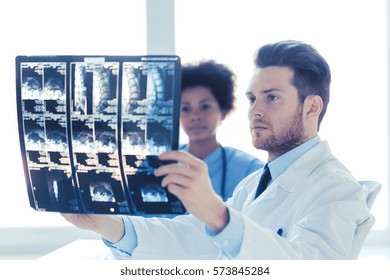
<point x="272" y="98"/>
<point x="251" y="99"/>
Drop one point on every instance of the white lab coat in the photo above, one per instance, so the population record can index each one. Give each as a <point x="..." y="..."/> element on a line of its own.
<point x="316" y="202"/>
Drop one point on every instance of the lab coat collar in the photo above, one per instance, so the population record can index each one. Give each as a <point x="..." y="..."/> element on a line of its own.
<point x="280" y="164"/>
<point x="299" y="170"/>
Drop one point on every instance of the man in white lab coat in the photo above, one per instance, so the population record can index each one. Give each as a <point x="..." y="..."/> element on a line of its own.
<point x="310" y="208"/>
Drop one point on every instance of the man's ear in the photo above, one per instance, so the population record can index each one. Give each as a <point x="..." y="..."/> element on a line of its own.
<point x="312" y="106"/>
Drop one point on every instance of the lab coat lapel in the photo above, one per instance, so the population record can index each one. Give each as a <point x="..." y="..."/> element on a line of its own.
<point x="299" y="170"/>
<point x="303" y="167"/>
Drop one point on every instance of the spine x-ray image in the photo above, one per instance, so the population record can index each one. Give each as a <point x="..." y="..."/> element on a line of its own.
<point x="91" y="130"/>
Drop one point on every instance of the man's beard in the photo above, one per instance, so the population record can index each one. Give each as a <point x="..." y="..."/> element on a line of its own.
<point x="290" y="137"/>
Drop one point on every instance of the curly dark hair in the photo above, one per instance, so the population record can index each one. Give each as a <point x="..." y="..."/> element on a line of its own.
<point x="219" y="78"/>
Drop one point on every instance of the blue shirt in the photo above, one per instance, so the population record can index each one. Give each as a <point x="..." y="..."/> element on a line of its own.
<point x="238" y="165"/>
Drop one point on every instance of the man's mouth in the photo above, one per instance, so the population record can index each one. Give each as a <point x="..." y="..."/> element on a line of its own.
<point x="258" y="128"/>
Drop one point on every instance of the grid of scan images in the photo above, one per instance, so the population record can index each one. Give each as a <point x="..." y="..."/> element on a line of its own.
<point x="91" y="130"/>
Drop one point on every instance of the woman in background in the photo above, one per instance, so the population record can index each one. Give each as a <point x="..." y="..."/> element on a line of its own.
<point x="207" y="99"/>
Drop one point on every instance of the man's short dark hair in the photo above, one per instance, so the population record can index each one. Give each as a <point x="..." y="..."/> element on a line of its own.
<point x="311" y="72"/>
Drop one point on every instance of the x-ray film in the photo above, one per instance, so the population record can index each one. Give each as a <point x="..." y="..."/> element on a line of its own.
<point x="91" y="129"/>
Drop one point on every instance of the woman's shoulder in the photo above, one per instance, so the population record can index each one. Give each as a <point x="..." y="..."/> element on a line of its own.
<point x="237" y="152"/>
<point x="241" y="156"/>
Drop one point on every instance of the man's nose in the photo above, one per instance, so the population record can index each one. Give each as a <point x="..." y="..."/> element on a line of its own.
<point x="256" y="110"/>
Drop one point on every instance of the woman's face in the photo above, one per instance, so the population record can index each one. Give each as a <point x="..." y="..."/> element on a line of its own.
<point x="200" y="113"/>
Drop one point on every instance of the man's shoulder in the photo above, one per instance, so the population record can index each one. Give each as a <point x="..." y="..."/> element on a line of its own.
<point x="320" y="165"/>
